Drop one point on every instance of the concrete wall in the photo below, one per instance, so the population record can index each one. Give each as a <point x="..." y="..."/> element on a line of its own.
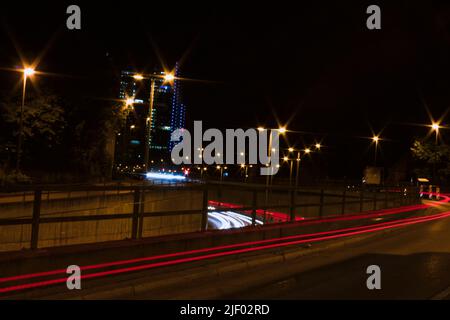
<point x="121" y="202"/>
<point x="98" y="203"/>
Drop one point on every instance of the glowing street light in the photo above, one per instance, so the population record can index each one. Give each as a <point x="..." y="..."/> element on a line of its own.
<point x="307" y="150"/>
<point x="169" y="77"/>
<point x="435" y="126"/>
<point x="129" y="102"/>
<point x="282" y="130"/>
<point x="28" y="72"/>
<point x="376" y="139"/>
<point x="291" y="149"/>
<point x="318" y="146"/>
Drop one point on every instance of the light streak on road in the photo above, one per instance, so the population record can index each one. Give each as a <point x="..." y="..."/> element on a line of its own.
<point x="222" y="220"/>
<point x="244" y="248"/>
<point x="316" y="237"/>
<point x="163" y="176"/>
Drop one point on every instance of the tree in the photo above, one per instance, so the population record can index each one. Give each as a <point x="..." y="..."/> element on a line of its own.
<point x="42" y="117"/>
<point x="93" y="136"/>
<point x="433" y="159"/>
<point x="43" y="122"/>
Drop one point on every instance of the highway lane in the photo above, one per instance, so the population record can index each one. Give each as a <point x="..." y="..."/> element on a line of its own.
<point x="208" y="253"/>
<point x="414" y="262"/>
<point x="146" y="263"/>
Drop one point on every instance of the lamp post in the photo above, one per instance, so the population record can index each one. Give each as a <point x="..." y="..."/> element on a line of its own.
<point x="435" y="126"/>
<point x="376" y="139"/>
<point x="297" y="165"/>
<point x="220" y="168"/>
<point x="297" y="168"/>
<point x="245" y="169"/>
<point x="280" y="130"/>
<point x="168" y="77"/>
<point x="291" y="165"/>
<point x="27" y="72"/>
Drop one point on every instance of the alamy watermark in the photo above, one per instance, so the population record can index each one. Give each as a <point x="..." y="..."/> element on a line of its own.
<point x="263" y="147"/>
<point x="374" y="280"/>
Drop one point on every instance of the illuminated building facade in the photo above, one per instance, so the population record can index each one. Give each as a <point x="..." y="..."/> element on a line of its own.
<point x="168" y="114"/>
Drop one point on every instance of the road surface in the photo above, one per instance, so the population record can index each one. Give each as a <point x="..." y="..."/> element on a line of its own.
<point x="414" y="262"/>
<point x="413" y="254"/>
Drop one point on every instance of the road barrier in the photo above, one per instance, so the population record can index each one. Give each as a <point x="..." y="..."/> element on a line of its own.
<point x="46" y="216"/>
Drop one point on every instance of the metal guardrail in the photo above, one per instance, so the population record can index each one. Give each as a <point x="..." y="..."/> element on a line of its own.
<point x="408" y="195"/>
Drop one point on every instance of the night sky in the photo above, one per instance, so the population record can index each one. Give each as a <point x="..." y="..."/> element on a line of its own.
<point x="314" y="67"/>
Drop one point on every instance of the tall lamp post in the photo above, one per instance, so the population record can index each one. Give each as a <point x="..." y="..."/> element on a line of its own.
<point x="27" y="72"/>
<point x="375" y="140"/>
<point x="297" y="165"/>
<point x="167" y="77"/>
<point x="281" y="130"/>
<point x="435" y="126"/>
<point x="291" y="165"/>
<point x="245" y="170"/>
<point x="220" y="168"/>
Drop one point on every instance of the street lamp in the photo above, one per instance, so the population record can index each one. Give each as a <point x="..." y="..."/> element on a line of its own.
<point x="376" y="139"/>
<point x="245" y="168"/>
<point x="291" y="164"/>
<point x="129" y="102"/>
<point x="220" y="168"/>
<point x="297" y="164"/>
<point x="138" y="77"/>
<point x="281" y="130"/>
<point x="27" y="72"/>
<point x="435" y="126"/>
<point x="167" y="77"/>
<point x="318" y="146"/>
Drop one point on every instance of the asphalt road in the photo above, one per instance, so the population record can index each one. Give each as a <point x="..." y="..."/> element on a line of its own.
<point x="414" y="262"/>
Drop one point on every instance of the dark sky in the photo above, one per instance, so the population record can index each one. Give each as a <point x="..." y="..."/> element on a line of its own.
<point x="315" y="67"/>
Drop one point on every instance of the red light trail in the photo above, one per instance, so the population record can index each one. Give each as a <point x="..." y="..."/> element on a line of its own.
<point x="245" y="247"/>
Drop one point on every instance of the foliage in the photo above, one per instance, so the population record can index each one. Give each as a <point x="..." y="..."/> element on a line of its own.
<point x="43" y="117"/>
<point x="433" y="159"/>
<point x="64" y="137"/>
<point x="13" y="178"/>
